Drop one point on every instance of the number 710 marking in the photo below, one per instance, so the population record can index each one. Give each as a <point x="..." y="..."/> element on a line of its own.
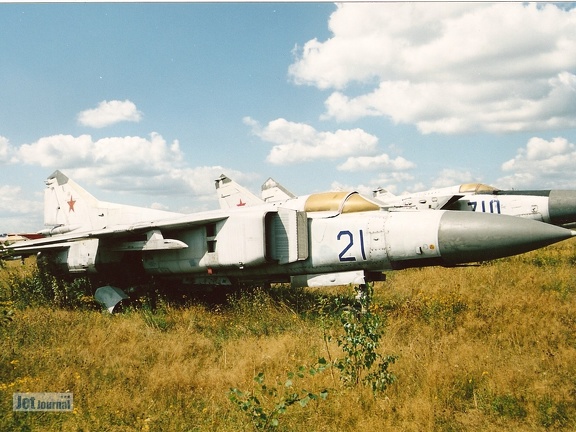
<point x="350" y="243"/>
<point x="494" y="206"/>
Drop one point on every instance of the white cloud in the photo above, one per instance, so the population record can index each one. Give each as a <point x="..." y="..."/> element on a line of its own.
<point x="57" y="151"/>
<point x="146" y="165"/>
<point x="383" y="161"/>
<point x="6" y="151"/>
<point x="110" y="155"/>
<point x="362" y="189"/>
<point x="18" y="210"/>
<point x="110" y="112"/>
<point x="460" y="68"/>
<point x="12" y="200"/>
<point x="299" y="142"/>
<point x="388" y="180"/>
<point x="134" y="165"/>
<point x="542" y="164"/>
<point x="451" y="177"/>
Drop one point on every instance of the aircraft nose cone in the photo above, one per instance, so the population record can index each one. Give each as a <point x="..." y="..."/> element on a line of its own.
<point x="464" y="238"/>
<point x="562" y="206"/>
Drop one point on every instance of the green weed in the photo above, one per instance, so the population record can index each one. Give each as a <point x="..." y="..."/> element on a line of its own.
<point x="553" y="414"/>
<point x="266" y="403"/>
<point x="509" y="406"/>
<point x="362" y="363"/>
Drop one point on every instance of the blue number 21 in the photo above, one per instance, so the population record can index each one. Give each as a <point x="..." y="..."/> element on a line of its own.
<point x="350" y="243"/>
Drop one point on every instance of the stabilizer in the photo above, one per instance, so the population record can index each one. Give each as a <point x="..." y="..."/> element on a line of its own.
<point x="68" y="207"/>
<point x="272" y="191"/>
<point x="231" y="194"/>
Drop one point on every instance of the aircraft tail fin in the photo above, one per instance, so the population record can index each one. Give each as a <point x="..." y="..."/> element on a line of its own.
<point x="273" y="191"/>
<point x="383" y="195"/>
<point x="68" y="207"/>
<point x="231" y="194"/>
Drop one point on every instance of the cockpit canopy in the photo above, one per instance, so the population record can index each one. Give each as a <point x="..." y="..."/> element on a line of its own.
<point x="341" y="202"/>
<point x="478" y="188"/>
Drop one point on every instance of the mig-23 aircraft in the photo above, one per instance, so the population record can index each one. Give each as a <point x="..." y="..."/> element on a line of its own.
<point x="557" y="207"/>
<point x="332" y="238"/>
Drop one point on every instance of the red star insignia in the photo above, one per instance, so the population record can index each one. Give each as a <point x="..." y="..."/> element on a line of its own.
<point x="240" y="204"/>
<point x="71" y="203"/>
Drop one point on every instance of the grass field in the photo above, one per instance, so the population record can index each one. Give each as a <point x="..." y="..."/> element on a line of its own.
<point x="489" y="348"/>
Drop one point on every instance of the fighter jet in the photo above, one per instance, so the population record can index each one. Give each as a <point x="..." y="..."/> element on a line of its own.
<point x="331" y="238"/>
<point x="556" y="207"/>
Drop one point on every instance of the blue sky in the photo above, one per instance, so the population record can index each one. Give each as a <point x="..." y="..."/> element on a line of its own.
<point x="148" y="103"/>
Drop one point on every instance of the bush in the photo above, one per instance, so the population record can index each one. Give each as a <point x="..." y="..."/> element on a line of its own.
<point x="266" y="403"/>
<point x="362" y="363"/>
<point x="31" y="285"/>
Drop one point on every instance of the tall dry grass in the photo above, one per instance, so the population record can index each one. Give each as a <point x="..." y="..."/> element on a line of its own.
<point x="480" y="348"/>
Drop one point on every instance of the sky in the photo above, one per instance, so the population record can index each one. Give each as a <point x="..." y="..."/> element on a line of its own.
<point x="148" y="103"/>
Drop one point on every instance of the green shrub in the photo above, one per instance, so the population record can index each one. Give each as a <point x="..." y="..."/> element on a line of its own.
<point x="362" y="363"/>
<point x="266" y="403"/>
